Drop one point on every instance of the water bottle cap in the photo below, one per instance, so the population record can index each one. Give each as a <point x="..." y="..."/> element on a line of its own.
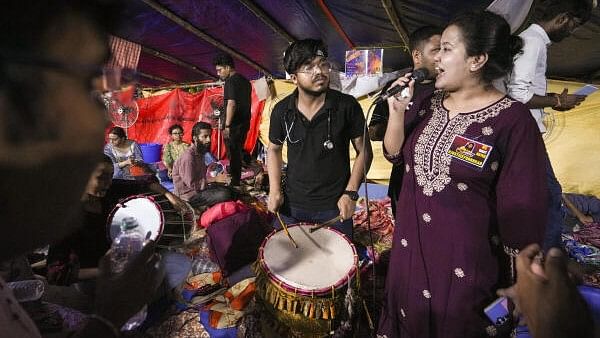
<point x="129" y="223"/>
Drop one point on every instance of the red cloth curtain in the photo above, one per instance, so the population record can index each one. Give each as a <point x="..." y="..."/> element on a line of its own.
<point x="158" y="113"/>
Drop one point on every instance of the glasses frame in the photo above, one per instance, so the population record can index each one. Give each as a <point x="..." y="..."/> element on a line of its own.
<point x="313" y="67"/>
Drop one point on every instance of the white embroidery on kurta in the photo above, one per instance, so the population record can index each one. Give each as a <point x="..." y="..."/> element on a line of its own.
<point x="426" y="294"/>
<point x="459" y="272"/>
<point x="427" y="217"/>
<point x="487" y="131"/>
<point x="462" y="186"/>
<point x="404" y="242"/>
<point x="494" y="165"/>
<point x="402" y="312"/>
<point x="491" y="331"/>
<point x="422" y="112"/>
<point x="432" y="161"/>
<point x="407" y="168"/>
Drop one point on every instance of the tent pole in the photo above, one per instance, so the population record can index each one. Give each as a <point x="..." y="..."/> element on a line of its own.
<point x="155" y="77"/>
<point x="266" y="18"/>
<point x="200" y="34"/>
<point x="336" y="25"/>
<point x="395" y="20"/>
<point x="176" y="61"/>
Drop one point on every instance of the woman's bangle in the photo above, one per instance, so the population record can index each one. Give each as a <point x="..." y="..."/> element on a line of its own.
<point x="106" y="323"/>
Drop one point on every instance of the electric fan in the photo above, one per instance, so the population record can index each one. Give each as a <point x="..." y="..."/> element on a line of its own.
<point x="121" y="107"/>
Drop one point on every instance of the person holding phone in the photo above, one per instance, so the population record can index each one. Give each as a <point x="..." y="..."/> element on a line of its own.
<point x="125" y="153"/>
<point x="554" y="21"/>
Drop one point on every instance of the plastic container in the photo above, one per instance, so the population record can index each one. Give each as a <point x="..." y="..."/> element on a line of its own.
<point x="27" y="290"/>
<point x="151" y="152"/>
<point x="124" y="248"/>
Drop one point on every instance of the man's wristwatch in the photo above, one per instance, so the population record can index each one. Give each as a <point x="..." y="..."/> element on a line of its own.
<point x="352" y="194"/>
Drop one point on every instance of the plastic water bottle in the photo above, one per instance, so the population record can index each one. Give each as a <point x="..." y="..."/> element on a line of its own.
<point x="27" y="290"/>
<point x="124" y="248"/>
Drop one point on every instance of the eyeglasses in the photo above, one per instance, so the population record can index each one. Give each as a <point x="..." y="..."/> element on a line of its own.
<point x="323" y="66"/>
<point x="113" y="78"/>
<point x="176" y="133"/>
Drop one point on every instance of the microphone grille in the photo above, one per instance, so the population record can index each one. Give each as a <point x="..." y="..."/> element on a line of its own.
<point x="420" y="74"/>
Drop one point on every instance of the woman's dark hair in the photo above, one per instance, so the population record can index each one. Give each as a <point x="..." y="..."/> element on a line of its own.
<point x="484" y="32"/>
<point x="174" y="127"/>
<point x="301" y="52"/>
<point x="118" y="131"/>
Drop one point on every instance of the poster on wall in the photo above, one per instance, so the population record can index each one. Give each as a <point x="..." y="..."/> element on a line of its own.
<point x="375" y="61"/>
<point x="356" y="62"/>
<point x="364" y="62"/>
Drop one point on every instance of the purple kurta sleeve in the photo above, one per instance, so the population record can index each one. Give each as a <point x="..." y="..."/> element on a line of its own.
<point x="521" y="191"/>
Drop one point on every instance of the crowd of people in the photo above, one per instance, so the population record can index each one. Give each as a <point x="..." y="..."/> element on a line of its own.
<point x="478" y="210"/>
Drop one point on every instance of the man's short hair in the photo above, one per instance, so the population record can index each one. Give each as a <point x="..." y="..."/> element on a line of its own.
<point x="301" y="52"/>
<point x="223" y="60"/>
<point x="419" y="37"/>
<point x="200" y="126"/>
<point x="549" y="9"/>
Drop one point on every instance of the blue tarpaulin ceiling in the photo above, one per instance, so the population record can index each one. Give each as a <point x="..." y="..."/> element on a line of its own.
<point x="180" y="37"/>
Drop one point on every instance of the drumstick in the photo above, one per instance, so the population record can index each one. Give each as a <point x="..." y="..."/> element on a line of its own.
<point x="325" y="224"/>
<point x="286" y="230"/>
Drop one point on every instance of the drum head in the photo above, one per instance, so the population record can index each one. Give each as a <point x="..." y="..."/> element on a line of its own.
<point x="323" y="259"/>
<point x="144" y="210"/>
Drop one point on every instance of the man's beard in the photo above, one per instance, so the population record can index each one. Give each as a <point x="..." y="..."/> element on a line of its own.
<point x="315" y="93"/>
<point x="558" y="35"/>
<point x="203" y="147"/>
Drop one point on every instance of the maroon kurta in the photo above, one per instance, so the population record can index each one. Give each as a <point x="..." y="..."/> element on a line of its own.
<point x="444" y="266"/>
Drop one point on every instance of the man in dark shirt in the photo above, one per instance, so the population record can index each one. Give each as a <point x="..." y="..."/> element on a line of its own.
<point x="318" y="124"/>
<point x="236" y="94"/>
<point x="424" y="45"/>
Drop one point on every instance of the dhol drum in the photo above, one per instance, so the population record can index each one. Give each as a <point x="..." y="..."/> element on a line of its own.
<point x="157" y="219"/>
<point x="305" y="288"/>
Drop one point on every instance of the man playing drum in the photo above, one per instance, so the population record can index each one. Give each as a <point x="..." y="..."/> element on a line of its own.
<point x="318" y="124"/>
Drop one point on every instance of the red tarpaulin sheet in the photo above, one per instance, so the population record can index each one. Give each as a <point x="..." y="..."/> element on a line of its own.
<point x="158" y="113"/>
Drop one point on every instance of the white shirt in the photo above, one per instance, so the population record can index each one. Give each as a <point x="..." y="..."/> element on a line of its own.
<point x="528" y="76"/>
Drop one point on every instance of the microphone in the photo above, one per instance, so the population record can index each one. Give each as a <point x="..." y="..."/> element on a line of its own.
<point x="419" y="75"/>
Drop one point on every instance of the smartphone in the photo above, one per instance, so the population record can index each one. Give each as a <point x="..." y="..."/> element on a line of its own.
<point x="586" y="90"/>
<point x="498" y="311"/>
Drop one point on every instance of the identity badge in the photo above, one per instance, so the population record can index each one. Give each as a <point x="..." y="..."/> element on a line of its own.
<point x="470" y="151"/>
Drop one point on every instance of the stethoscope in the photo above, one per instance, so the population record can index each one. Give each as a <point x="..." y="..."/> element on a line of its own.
<point x="328" y="144"/>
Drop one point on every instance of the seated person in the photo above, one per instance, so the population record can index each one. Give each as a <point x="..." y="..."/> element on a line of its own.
<point x="189" y="171"/>
<point x="57" y="133"/>
<point x="76" y="257"/>
<point x="123" y="152"/>
<point x="173" y="149"/>
<point x="585" y="208"/>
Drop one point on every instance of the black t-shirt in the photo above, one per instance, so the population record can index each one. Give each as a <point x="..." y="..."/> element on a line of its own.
<point x="316" y="176"/>
<point x="237" y="88"/>
<point x="381" y="112"/>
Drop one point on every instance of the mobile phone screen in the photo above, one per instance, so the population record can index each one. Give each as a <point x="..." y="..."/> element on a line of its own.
<point x="586" y="90"/>
<point x="497" y="312"/>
